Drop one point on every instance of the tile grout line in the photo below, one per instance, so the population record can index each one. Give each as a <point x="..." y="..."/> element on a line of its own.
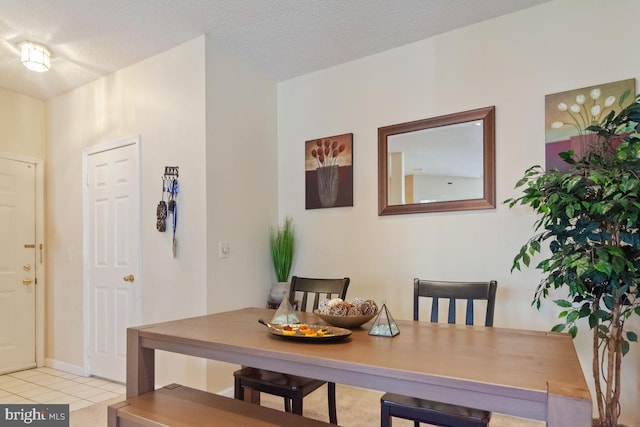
<point x="82" y="396"/>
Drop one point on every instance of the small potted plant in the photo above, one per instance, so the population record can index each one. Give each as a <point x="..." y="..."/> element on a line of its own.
<point x="281" y="246"/>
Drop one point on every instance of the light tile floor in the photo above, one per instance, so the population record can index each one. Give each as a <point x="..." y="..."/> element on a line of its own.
<point x="46" y="385"/>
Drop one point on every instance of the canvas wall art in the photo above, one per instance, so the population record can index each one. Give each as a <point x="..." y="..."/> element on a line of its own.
<point x="568" y="114"/>
<point x="329" y="172"/>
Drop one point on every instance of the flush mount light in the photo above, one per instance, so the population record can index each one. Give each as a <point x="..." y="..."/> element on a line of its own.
<point x="35" y="57"/>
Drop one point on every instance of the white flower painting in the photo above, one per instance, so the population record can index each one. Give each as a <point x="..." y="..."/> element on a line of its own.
<point x="569" y="114"/>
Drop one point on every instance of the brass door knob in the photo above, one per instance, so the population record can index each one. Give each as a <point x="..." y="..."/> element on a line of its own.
<point x="27" y="281"/>
<point x="129" y="278"/>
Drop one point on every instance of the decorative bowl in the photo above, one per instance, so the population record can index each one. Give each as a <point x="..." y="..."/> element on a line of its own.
<point x="348" y="322"/>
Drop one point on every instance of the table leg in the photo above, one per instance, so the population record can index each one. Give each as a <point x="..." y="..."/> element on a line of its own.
<point x="251" y="395"/>
<point x="140" y="365"/>
<point x="568" y="407"/>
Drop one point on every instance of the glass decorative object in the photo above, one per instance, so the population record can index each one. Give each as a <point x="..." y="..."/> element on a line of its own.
<point x="285" y="314"/>
<point x="384" y="325"/>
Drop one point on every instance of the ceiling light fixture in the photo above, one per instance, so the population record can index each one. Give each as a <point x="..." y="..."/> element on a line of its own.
<point x="35" y="57"/>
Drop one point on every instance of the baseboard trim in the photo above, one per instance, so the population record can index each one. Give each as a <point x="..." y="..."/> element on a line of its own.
<point x="65" y="367"/>
<point x="227" y="392"/>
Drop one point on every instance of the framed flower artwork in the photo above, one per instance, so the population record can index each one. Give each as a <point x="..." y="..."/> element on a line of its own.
<point x="568" y="114"/>
<point x="329" y="172"/>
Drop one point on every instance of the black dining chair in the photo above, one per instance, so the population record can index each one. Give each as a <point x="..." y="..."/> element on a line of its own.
<point x="432" y="412"/>
<point x="291" y="387"/>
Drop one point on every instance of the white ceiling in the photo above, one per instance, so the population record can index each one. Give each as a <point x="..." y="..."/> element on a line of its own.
<point x="284" y="38"/>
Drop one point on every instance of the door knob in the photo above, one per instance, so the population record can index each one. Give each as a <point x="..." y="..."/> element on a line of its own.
<point x="27" y="281"/>
<point x="129" y="278"/>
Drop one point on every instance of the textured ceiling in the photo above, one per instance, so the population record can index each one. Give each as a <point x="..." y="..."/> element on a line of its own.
<point x="283" y="38"/>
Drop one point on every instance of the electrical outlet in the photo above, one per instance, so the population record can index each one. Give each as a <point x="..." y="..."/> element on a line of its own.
<point x="223" y="249"/>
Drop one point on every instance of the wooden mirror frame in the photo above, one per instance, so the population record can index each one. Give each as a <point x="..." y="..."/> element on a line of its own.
<point x="487" y="201"/>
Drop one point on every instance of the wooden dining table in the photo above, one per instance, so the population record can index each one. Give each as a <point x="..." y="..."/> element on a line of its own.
<point x="530" y="374"/>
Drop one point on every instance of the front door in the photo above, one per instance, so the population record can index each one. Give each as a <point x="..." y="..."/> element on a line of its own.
<point x="17" y="265"/>
<point x="113" y="242"/>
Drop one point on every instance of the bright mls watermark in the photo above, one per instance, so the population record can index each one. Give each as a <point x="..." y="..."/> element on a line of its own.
<point x="36" y="415"/>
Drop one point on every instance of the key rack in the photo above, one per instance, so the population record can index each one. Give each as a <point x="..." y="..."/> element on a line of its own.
<point x="171" y="172"/>
<point x="168" y="209"/>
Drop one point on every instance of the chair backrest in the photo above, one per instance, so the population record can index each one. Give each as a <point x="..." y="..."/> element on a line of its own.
<point x="330" y="288"/>
<point x="453" y="291"/>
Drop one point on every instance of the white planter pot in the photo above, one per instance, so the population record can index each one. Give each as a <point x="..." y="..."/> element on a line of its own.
<point x="278" y="291"/>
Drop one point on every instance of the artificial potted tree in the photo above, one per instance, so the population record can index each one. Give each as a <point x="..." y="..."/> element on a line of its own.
<point x="590" y="218"/>
<point x="282" y="247"/>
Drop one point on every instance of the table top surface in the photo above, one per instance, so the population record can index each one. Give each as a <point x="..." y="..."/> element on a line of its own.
<point x="423" y="351"/>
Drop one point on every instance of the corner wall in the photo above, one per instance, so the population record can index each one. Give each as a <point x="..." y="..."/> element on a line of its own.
<point x="511" y="62"/>
<point x="241" y="188"/>
<point x="22" y="125"/>
<point x="162" y="99"/>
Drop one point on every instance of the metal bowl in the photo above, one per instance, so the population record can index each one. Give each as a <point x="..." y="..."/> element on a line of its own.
<point x="348" y="322"/>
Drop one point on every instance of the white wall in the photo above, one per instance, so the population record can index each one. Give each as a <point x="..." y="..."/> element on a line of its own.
<point x="199" y="108"/>
<point x="22" y="124"/>
<point x="241" y="179"/>
<point x="163" y="100"/>
<point x="241" y="187"/>
<point x="510" y="62"/>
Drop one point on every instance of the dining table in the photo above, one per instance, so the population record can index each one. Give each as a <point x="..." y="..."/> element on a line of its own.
<point x="523" y="373"/>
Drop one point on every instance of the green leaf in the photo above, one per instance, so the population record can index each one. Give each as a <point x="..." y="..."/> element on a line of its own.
<point x="604" y="266"/>
<point x="558" y="328"/>
<point x="585" y="310"/>
<point x="535" y="245"/>
<point x="573" y="331"/>
<point x="567" y="156"/>
<point x="562" y="303"/>
<point x="521" y="182"/>
<point x="632" y="336"/>
<point x="625" y="347"/>
<point x="608" y="301"/>
<point x="515" y="266"/>
<point x="573" y="316"/>
<point x="569" y="211"/>
<point x="573" y="182"/>
<point x="593" y="321"/>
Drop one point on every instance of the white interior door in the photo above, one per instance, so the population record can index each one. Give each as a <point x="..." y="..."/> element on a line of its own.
<point x="17" y="265"/>
<point x="113" y="256"/>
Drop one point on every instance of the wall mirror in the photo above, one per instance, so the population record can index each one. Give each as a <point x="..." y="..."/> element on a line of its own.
<point x="440" y="164"/>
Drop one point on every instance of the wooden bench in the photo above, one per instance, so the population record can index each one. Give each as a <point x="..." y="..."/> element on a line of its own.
<point x="179" y="406"/>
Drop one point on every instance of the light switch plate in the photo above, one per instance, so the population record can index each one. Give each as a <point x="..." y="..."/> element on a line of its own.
<point x="223" y="249"/>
